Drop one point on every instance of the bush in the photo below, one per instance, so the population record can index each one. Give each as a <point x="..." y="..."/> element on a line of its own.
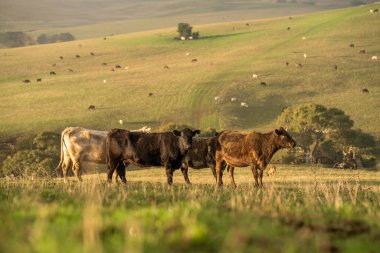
<point x="15" y="39"/>
<point x="36" y="156"/>
<point x="44" y="39"/>
<point x="169" y="127"/>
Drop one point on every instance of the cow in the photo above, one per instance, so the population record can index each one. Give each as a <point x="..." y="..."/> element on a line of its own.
<point x="83" y="145"/>
<point x="252" y="149"/>
<point x="61" y="57"/>
<point x="166" y="149"/>
<point x="77" y="56"/>
<point x="39" y="80"/>
<point x="26" y="81"/>
<point x="166" y="67"/>
<point x="201" y="155"/>
<point x="263" y="83"/>
<point x="352" y="45"/>
<point x="91" y="107"/>
<point x="194" y="60"/>
<point x="92" y="54"/>
<point x="365" y="90"/>
<point x="118" y="66"/>
<point x="52" y="73"/>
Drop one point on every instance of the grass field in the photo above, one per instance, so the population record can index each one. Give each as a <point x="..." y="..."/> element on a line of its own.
<point x="228" y="54"/>
<point x="300" y="209"/>
<point x="89" y="19"/>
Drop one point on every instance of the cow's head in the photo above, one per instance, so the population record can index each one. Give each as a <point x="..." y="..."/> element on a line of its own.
<point x="284" y="139"/>
<point x="186" y="137"/>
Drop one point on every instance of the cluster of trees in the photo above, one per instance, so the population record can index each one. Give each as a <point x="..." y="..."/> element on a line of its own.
<point x="45" y="39"/>
<point x="36" y="156"/>
<point x="186" y="31"/>
<point x="21" y="39"/>
<point x="324" y="134"/>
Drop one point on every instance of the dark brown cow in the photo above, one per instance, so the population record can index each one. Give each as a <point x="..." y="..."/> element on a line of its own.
<point x="249" y="149"/>
<point x="202" y="155"/>
<point x="91" y="107"/>
<point x="147" y="149"/>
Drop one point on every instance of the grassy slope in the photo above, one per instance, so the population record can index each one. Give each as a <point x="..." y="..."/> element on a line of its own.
<point x="296" y="211"/>
<point x="185" y="93"/>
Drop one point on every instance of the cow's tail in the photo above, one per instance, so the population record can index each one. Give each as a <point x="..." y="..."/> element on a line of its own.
<point x="107" y="147"/>
<point x="57" y="170"/>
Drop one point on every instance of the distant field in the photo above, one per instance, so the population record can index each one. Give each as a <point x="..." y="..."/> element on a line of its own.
<point x="96" y="18"/>
<point x="227" y="56"/>
<point x="300" y="209"/>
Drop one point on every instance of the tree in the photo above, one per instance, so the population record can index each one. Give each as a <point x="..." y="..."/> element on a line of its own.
<point x="324" y="133"/>
<point x="42" y="39"/>
<point x="184" y="30"/>
<point x="37" y="156"/>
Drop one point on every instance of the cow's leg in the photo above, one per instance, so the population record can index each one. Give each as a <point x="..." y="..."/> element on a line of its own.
<point x="77" y="170"/>
<point x="262" y="166"/>
<point x="255" y="174"/>
<point x="169" y="174"/>
<point x="212" y="167"/>
<point x="218" y="170"/>
<point x="120" y="168"/>
<point x="111" y="166"/>
<point x="184" y="170"/>
<point x="231" y="170"/>
<point x="65" y="167"/>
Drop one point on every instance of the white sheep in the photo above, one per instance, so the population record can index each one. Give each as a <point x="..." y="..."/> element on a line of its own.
<point x="305" y="55"/>
<point x="121" y="122"/>
<point x="374" y="58"/>
<point x="254" y="76"/>
<point x="243" y="104"/>
<point x="182" y="38"/>
<point x="304" y="38"/>
<point x="104" y="81"/>
<point x="233" y="99"/>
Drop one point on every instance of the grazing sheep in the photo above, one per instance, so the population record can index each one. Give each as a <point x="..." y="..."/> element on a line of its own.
<point x="374" y="58"/>
<point x="91" y="107"/>
<point x="39" y="80"/>
<point x="243" y="104"/>
<point x="126" y="67"/>
<point x="187" y="54"/>
<point x="362" y="51"/>
<point x="104" y="81"/>
<point x="118" y="66"/>
<point x="371" y="11"/>
<point x="77" y="56"/>
<point x="305" y="55"/>
<point x="166" y="67"/>
<point x="121" y="122"/>
<point x="194" y="60"/>
<point x="365" y="90"/>
<point x="26" y="81"/>
<point x="182" y="38"/>
<point x="190" y="38"/>
<point x="150" y="94"/>
<point x="52" y="73"/>
<point x="263" y="84"/>
<point x="254" y="76"/>
<point x="216" y="98"/>
<point x="303" y="38"/>
<point x="271" y="170"/>
<point x="233" y="99"/>
<point x="352" y="45"/>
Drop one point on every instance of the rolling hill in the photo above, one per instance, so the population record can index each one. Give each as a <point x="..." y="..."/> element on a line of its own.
<point x="332" y="74"/>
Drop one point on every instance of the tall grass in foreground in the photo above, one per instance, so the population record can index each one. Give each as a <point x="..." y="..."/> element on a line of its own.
<point x="93" y="216"/>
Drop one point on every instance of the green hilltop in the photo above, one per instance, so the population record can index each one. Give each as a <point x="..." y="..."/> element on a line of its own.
<point x="228" y="54"/>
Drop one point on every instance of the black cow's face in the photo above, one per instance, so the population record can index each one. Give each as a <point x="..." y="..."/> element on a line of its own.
<point x="186" y="137"/>
<point x="284" y="138"/>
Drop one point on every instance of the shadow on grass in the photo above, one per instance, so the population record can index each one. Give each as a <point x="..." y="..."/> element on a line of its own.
<point x="218" y="36"/>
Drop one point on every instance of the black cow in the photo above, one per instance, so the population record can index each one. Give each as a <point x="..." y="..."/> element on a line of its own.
<point x="26" y="81"/>
<point x="201" y="155"/>
<point x="52" y="73"/>
<point x="91" y="107"/>
<point x="147" y="149"/>
<point x="365" y="90"/>
<point x="39" y="80"/>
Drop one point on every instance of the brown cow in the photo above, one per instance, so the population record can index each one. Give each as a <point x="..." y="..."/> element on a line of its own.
<point x="249" y="149"/>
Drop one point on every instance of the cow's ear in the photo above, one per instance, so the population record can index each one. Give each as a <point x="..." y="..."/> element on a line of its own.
<point x="176" y="132"/>
<point x="216" y="134"/>
<point x="278" y="132"/>
<point x="196" y="132"/>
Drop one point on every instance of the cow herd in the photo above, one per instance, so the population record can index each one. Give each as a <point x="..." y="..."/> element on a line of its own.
<point x="174" y="150"/>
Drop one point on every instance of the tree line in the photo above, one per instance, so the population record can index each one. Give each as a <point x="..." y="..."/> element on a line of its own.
<point x="21" y="39"/>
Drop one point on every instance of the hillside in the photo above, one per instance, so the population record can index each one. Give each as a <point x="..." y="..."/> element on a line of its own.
<point x="89" y="19"/>
<point x="227" y="56"/>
